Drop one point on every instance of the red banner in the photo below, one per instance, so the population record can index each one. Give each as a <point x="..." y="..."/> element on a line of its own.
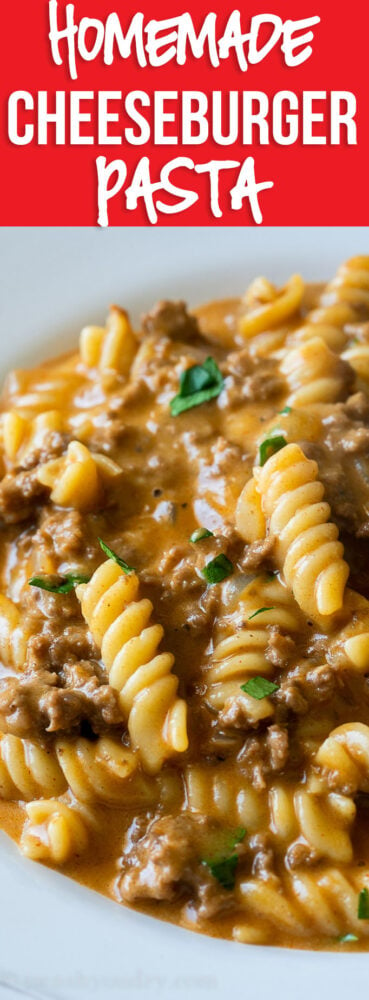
<point x="205" y="116"/>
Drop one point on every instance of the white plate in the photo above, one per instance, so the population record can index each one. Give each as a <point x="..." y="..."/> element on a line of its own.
<point x="58" y="940"/>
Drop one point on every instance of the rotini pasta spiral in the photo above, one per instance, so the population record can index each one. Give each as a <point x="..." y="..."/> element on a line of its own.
<point x="77" y="479"/>
<point x="293" y="814"/>
<point x="241" y="654"/>
<point x="222" y="794"/>
<point x="315" y="374"/>
<point x="41" y="390"/>
<point x="55" y="831"/>
<point x="306" y="543"/>
<point x="110" y="348"/>
<point x="350" y="285"/>
<point x="323" y="901"/>
<point x="28" y="770"/>
<point x="328" y="323"/>
<point x="14" y="633"/>
<point x="267" y="307"/>
<point x="250" y="518"/>
<point x="104" y="771"/>
<point x="349" y="646"/>
<point x="338" y="307"/>
<point x="358" y="357"/>
<point x="344" y="757"/>
<point x="20" y="434"/>
<point x="147" y="687"/>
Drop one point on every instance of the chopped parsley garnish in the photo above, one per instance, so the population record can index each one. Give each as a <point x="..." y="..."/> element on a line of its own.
<point x="200" y="533"/>
<point x="223" y="867"/>
<point x="224" y="870"/>
<point x="363" y="905"/>
<point x="217" y="569"/>
<point x="64" y="586"/>
<point x="347" y="938"/>
<point x="270" y="447"/>
<point x="259" y="612"/>
<point x="113" y="555"/>
<point x="259" y="687"/>
<point x="286" y="409"/>
<point x="197" y="385"/>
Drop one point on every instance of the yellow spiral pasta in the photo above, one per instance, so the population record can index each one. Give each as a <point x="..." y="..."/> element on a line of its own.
<point x="129" y="649"/>
<point x="306" y="546"/>
<point x="15" y="630"/>
<point x="28" y="770"/>
<point x="344" y="757"/>
<point x="109" y="348"/>
<point x="324" y="902"/>
<point x="21" y="435"/>
<point x="43" y="389"/>
<point x="350" y="285"/>
<point x="223" y="793"/>
<point x="77" y="479"/>
<point x="293" y="815"/>
<point x="104" y="771"/>
<point x="242" y="653"/>
<point x="338" y="307"/>
<point x="314" y="374"/>
<point x="267" y="307"/>
<point x="321" y="821"/>
<point x="250" y="517"/>
<point x="54" y="831"/>
<point x="358" y="357"/>
<point x="349" y="646"/>
<point x="328" y="323"/>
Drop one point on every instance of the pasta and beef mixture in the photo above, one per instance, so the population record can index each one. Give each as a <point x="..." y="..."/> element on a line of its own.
<point x="184" y="612"/>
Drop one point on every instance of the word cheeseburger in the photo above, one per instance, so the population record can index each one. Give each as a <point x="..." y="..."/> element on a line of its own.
<point x="185" y="118"/>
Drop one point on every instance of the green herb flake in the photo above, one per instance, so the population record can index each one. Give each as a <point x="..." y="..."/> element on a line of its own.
<point x="363" y="905"/>
<point x="259" y="687"/>
<point x="197" y="385"/>
<point x="223" y="868"/>
<point x="270" y="447"/>
<point x="200" y="533"/>
<point x="236" y="837"/>
<point x="224" y="871"/>
<point x="285" y="411"/>
<point x="347" y="938"/>
<point x="259" y="612"/>
<point x="65" y="586"/>
<point x="113" y="555"/>
<point x="217" y="569"/>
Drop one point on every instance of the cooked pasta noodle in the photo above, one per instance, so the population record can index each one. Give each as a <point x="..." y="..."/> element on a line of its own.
<point x="77" y="479"/>
<point x="306" y="540"/>
<point x="14" y="633"/>
<point x="268" y="307"/>
<point x="129" y="648"/>
<point x="20" y="434"/>
<point x="28" y="771"/>
<point x="314" y="374"/>
<point x="103" y="771"/>
<point x="55" y="831"/>
<point x="324" y="903"/>
<point x="344" y="756"/>
<point x="350" y="285"/>
<point x="110" y="348"/>
<point x="242" y="653"/>
<point x="211" y="792"/>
